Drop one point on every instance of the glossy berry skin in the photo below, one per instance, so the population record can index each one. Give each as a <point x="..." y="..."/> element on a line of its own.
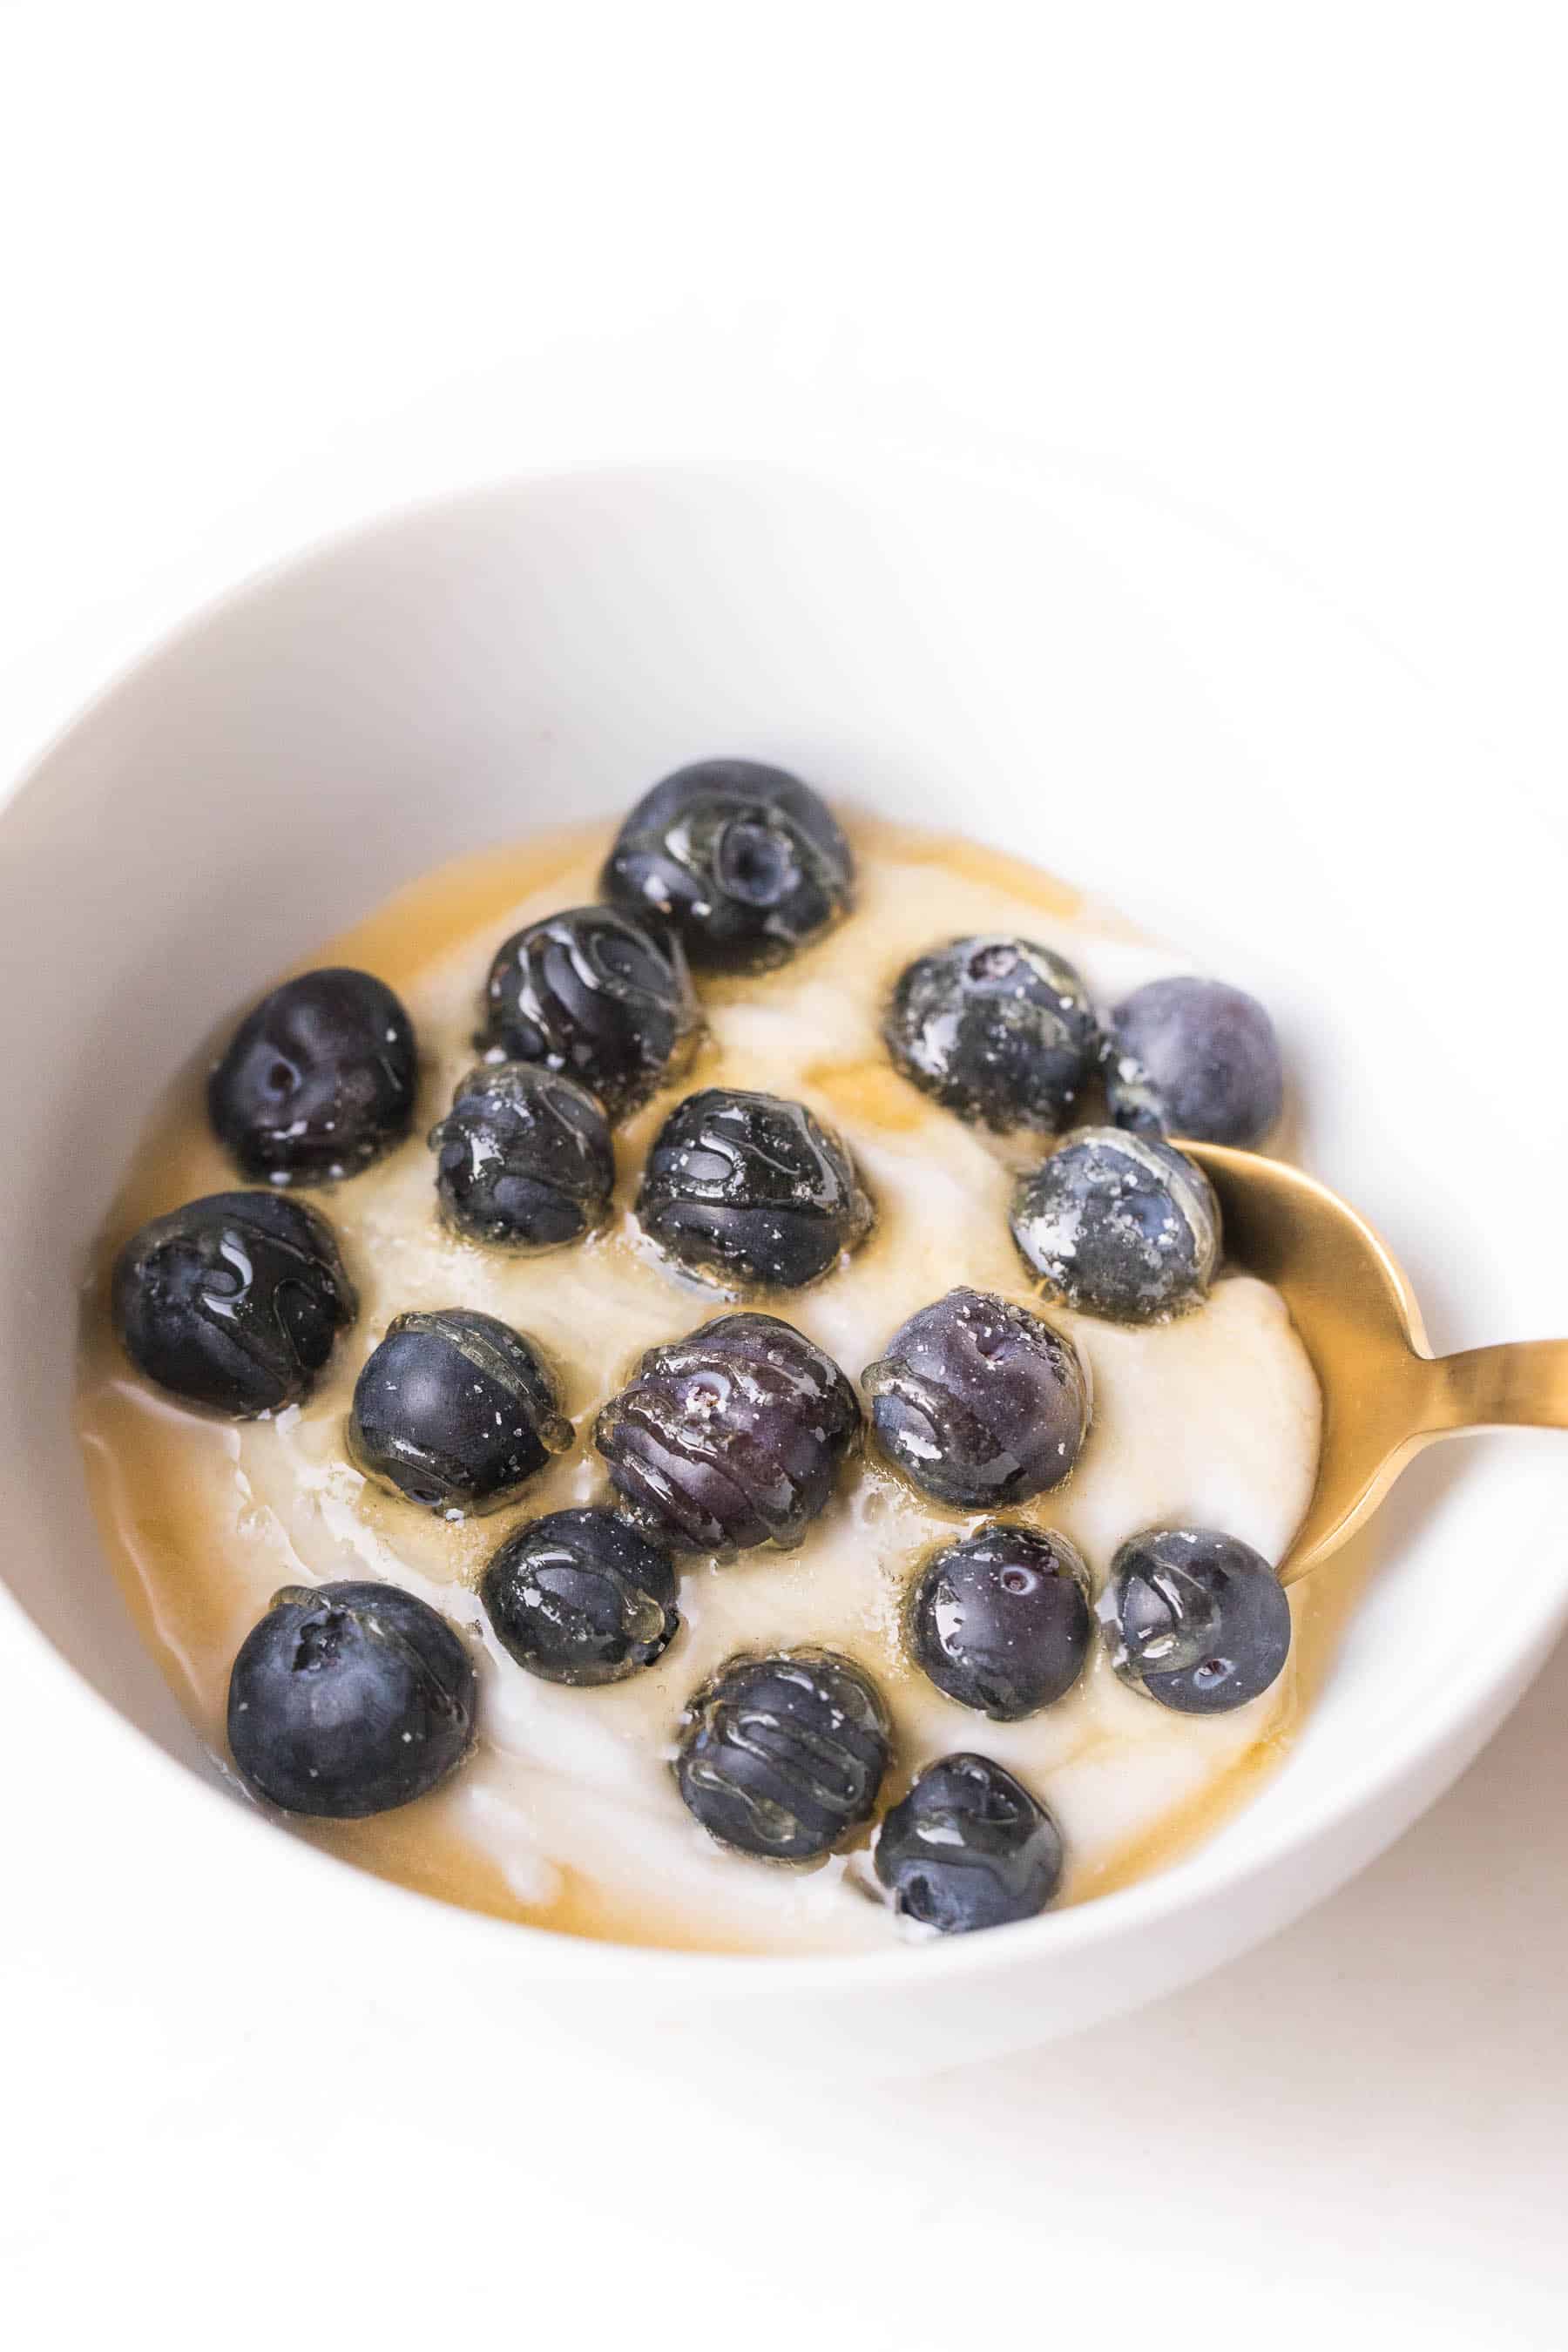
<point x="318" y="1081"/>
<point x="599" y="995"/>
<point x="783" y="1756"/>
<point x="998" y="1029"/>
<point x="752" y="1189"/>
<point x="525" y="1160"/>
<point x="746" y="862"/>
<point x="730" y="1438"/>
<point x="348" y="1700"/>
<point x="456" y="1410"/>
<point x="1123" y="1226"/>
<point x="1195" y="1619"/>
<point x="235" y="1301"/>
<point x="1192" y="1057"/>
<point x="1000" y="1620"/>
<point x="980" y="1402"/>
<point x="581" y="1598"/>
<point x="969" y="1847"/>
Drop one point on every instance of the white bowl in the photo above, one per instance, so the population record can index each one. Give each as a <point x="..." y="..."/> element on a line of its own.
<point x="1053" y="667"/>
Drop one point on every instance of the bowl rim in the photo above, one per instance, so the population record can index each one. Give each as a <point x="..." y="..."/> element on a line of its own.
<point x="1521" y="1639"/>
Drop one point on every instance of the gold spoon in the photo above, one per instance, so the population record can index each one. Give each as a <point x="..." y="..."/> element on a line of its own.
<point x="1385" y="1394"/>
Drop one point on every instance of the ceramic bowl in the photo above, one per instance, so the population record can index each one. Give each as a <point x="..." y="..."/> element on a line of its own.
<point x="1056" y="668"/>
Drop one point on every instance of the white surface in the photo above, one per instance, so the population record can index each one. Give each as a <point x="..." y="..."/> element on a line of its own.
<point x="1300" y="270"/>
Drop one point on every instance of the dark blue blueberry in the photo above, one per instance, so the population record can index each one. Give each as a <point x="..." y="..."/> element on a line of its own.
<point x="234" y="1301"/>
<point x="598" y="996"/>
<point x="783" y="1756"/>
<point x="979" y="1401"/>
<point x="318" y="1081"/>
<point x="1196" y="1620"/>
<point x="752" y="1189"/>
<point x="969" y="1847"/>
<point x="998" y="1029"/>
<point x="349" y="1699"/>
<point x="456" y="1411"/>
<point x="525" y="1159"/>
<point x="1196" y="1058"/>
<point x="746" y="861"/>
<point x="1000" y="1620"/>
<point x="581" y="1598"/>
<point x="1120" y="1225"/>
<point x="730" y="1437"/>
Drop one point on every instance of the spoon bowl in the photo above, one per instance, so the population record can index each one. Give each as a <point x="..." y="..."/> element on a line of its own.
<point x="1385" y="1396"/>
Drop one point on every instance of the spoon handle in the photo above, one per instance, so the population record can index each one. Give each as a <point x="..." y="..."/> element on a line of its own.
<point x="1523" y="1385"/>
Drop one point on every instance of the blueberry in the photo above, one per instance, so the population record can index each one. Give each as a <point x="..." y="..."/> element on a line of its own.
<point x="234" y="1301"/>
<point x="318" y="1081"/>
<point x="746" y="861"/>
<point x="1120" y="1225"/>
<point x="969" y="1847"/>
<point x="456" y="1411"/>
<point x="979" y="1401"/>
<point x="1196" y="1620"/>
<point x="580" y="1597"/>
<point x="1000" y="1620"/>
<point x="348" y="1700"/>
<point x="598" y="996"/>
<point x="752" y="1189"/>
<point x="999" y="1030"/>
<point x="783" y="1756"/>
<point x="1196" y="1058"/>
<point x="525" y="1159"/>
<point x="730" y="1437"/>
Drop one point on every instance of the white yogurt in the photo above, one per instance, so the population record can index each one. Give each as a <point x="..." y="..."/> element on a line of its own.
<point x="567" y="1812"/>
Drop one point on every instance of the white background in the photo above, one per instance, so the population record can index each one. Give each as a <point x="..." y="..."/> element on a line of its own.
<point x="266" y="269"/>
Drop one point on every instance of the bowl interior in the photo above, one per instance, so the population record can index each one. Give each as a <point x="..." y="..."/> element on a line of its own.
<point x="1062" y="670"/>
